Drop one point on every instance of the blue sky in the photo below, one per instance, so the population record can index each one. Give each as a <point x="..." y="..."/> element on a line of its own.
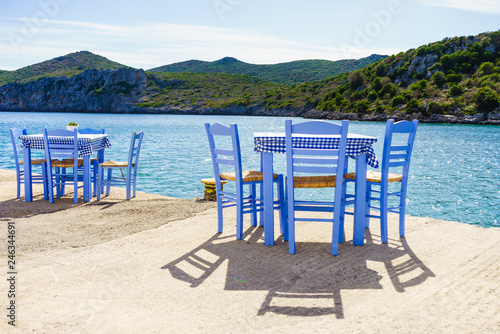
<point x="150" y="33"/>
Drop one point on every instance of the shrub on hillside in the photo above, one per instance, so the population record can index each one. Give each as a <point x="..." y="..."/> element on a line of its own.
<point x="413" y="106"/>
<point x="356" y="79"/>
<point x="456" y="90"/>
<point x="390" y="89"/>
<point x="397" y="100"/>
<point x="486" y="99"/>
<point x="439" y="78"/>
<point x="487" y="68"/>
<point x="434" y="108"/>
<point x="372" y="96"/>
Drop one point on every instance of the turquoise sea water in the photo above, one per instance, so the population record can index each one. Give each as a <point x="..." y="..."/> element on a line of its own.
<point x="454" y="173"/>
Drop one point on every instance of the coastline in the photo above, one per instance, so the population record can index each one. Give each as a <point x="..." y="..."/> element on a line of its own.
<point x="163" y="268"/>
<point x="493" y="118"/>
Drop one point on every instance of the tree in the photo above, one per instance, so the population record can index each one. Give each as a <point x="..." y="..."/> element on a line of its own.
<point x="487" y="68"/>
<point x="397" y="100"/>
<point x="372" y="96"/>
<point x="439" y="78"/>
<point x="356" y="79"/>
<point x="486" y="99"/>
<point x="377" y="84"/>
<point x="456" y="90"/>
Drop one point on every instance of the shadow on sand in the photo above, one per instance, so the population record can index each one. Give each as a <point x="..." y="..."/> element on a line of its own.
<point x="312" y="273"/>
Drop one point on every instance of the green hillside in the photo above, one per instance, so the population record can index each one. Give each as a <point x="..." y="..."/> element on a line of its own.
<point x="203" y="90"/>
<point x="294" y="72"/>
<point x="459" y="75"/>
<point x="455" y="76"/>
<point x="67" y="65"/>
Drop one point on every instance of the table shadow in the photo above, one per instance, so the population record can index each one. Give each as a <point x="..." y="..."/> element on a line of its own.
<point x="292" y="280"/>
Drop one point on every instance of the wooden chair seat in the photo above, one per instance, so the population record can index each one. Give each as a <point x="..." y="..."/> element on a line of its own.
<point x="91" y="160"/>
<point x="375" y="177"/>
<point x="34" y="161"/>
<point x="68" y="163"/>
<point x="117" y="164"/>
<point x="320" y="181"/>
<point x="248" y="176"/>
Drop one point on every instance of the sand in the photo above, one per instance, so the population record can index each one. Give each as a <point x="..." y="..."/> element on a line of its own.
<point x="157" y="265"/>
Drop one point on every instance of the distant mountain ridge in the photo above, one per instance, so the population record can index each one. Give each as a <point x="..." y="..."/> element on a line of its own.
<point x="68" y="65"/>
<point x="455" y="80"/>
<point x="294" y="72"/>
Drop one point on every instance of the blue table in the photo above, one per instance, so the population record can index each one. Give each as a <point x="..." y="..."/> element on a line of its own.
<point x="87" y="144"/>
<point x="359" y="147"/>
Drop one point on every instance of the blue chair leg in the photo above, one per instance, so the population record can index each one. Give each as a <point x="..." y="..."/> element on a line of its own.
<point x="383" y="215"/>
<point x="220" y="215"/>
<point x="134" y="183"/>
<point x="59" y="190"/>
<point x="18" y="180"/>
<point x="281" y="202"/>
<point x="95" y="167"/>
<point x="368" y="203"/>
<point x="239" y="214"/>
<point x="291" y="223"/>
<point x="75" y="180"/>
<point x="342" y="214"/>
<point x="62" y="180"/>
<point x="253" y="203"/>
<point x="110" y="175"/>
<point x="128" y="190"/>
<point x="402" y="212"/>
<point x="44" y="180"/>
<point x="99" y="182"/>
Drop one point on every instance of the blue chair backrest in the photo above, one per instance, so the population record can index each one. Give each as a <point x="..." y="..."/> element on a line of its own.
<point x="135" y="150"/>
<point x="91" y="131"/>
<point x="17" y="144"/>
<point x="224" y="145"/>
<point x="315" y="161"/>
<point x="398" y="155"/>
<point x="62" y="149"/>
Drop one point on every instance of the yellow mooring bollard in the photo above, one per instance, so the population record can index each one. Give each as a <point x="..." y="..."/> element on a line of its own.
<point x="210" y="192"/>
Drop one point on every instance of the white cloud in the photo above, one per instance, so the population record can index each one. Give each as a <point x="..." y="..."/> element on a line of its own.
<point x="480" y="6"/>
<point x="151" y="44"/>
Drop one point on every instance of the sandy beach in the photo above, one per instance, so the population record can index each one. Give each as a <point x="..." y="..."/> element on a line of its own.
<point x="157" y="265"/>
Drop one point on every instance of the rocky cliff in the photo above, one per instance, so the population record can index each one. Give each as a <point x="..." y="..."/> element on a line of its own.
<point x="90" y="91"/>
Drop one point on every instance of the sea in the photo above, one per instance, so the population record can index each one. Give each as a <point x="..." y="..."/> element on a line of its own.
<point x="454" y="171"/>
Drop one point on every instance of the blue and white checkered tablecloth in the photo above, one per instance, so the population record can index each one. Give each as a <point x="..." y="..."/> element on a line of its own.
<point x="356" y="144"/>
<point x="86" y="145"/>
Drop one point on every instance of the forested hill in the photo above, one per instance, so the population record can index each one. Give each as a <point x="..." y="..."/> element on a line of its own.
<point x="294" y="72"/>
<point x="68" y="65"/>
<point x="453" y="80"/>
<point x="457" y="76"/>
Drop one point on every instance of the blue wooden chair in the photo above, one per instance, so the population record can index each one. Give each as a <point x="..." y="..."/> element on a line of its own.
<point x="60" y="156"/>
<point x="315" y="168"/>
<point x="224" y="145"/>
<point x="18" y="154"/>
<point x="129" y="180"/>
<point x="395" y="166"/>
<point x="93" y="161"/>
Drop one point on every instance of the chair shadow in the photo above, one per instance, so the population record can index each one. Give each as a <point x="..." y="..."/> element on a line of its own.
<point x="293" y="280"/>
<point x="18" y="208"/>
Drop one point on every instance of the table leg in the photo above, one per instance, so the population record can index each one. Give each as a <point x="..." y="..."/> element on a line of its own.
<point x="28" y="190"/>
<point x="267" y="166"/>
<point x="360" y="200"/>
